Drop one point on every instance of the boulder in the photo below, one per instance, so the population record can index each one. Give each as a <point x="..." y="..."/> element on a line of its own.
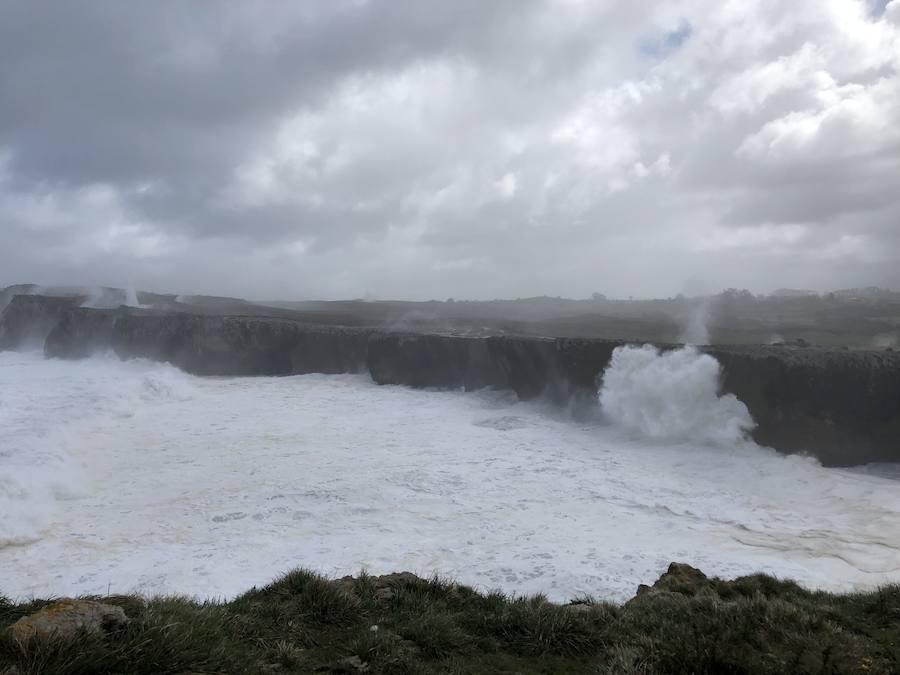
<point x="68" y="618"/>
<point x="678" y="579"/>
<point x="387" y="584"/>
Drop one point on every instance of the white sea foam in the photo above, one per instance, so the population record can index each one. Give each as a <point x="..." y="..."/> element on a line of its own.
<point x="49" y="411"/>
<point x="139" y="477"/>
<point x="672" y="396"/>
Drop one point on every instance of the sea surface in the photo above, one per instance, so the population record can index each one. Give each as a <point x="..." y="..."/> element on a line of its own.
<point x="133" y="476"/>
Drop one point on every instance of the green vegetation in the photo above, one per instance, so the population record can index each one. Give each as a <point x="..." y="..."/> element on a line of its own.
<point x="303" y="623"/>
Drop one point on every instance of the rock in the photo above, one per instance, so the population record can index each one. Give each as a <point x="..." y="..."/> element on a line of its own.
<point x="397" y="579"/>
<point x="385" y="593"/>
<point x="349" y="666"/>
<point x="678" y="579"/>
<point x="354" y="663"/>
<point x="387" y="584"/>
<point x="579" y="607"/>
<point x="680" y="573"/>
<point x="67" y="618"/>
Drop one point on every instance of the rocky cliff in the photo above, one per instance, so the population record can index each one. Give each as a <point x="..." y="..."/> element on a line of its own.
<point x="26" y="320"/>
<point x="843" y="406"/>
<point x="209" y="345"/>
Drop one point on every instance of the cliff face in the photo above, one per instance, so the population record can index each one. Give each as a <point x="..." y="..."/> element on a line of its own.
<point x="210" y="345"/>
<point x="842" y="406"/>
<point x="26" y="320"/>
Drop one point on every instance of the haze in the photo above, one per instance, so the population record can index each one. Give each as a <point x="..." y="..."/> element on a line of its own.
<point x="419" y="150"/>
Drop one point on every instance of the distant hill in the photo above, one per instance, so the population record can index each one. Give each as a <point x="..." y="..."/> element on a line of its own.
<point x="793" y="293"/>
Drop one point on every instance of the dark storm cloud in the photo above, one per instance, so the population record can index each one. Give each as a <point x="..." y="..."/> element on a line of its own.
<point x="431" y="148"/>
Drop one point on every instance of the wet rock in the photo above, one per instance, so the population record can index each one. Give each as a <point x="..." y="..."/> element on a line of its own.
<point x="67" y="618"/>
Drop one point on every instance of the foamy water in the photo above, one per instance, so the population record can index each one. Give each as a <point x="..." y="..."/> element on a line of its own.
<point x="136" y="477"/>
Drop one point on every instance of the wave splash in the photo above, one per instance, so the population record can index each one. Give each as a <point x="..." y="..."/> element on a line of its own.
<point x="672" y="396"/>
<point x="48" y="411"/>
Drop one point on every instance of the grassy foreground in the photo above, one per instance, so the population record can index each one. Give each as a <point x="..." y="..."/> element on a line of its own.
<point x="303" y="623"/>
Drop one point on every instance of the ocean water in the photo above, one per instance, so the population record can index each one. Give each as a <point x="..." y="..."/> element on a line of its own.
<point x="133" y="476"/>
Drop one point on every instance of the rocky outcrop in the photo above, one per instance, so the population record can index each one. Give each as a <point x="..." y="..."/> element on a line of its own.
<point x="678" y="578"/>
<point x="843" y="406"/>
<point x="66" y="619"/>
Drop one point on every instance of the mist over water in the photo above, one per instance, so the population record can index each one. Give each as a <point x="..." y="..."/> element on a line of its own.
<point x="133" y="475"/>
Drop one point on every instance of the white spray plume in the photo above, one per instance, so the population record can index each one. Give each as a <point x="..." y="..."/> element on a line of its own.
<point x="111" y="298"/>
<point x="99" y="298"/>
<point x="672" y="396"/>
<point x="131" y="298"/>
<point x="696" y="328"/>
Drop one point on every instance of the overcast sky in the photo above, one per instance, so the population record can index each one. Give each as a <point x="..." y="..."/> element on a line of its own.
<point x="475" y="149"/>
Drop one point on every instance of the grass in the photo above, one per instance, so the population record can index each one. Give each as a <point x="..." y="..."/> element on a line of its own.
<point x="304" y="623"/>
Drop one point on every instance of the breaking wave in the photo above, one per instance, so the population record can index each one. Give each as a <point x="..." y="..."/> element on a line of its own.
<point x="46" y="427"/>
<point x="205" y="486"/>
<point x="672" y="396"/>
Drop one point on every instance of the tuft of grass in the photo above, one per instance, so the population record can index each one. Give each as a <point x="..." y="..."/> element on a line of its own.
<point x="286" y="654"/>
<point x="303" y="596"/>
<point x="534" y="627"/>
<point x="436" y="634"/>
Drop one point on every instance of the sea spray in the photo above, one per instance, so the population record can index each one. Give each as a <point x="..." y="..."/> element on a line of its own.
<point x="672" y="396"/>
<point x="696" y="327"/>
<point x="28" y="495"/>
<point x="47" y="426"/>
<point x="131" y="298"/>
<point x="36" y="468"/>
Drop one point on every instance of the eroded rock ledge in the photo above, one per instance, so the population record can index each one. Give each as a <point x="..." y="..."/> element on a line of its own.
<point x="842" y="406"/>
